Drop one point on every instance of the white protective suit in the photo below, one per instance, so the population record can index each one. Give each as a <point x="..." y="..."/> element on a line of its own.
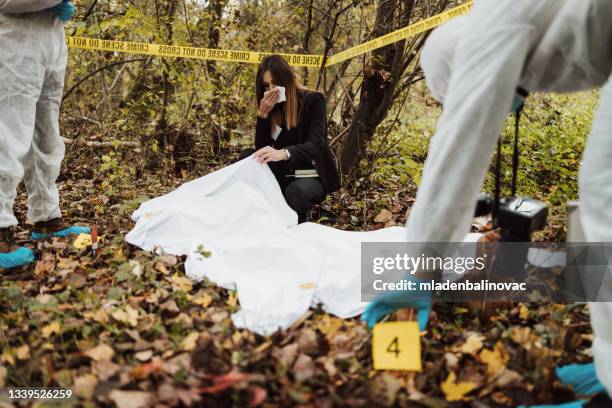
<point x="474" y="65"/>
<point x="33" y="56"/>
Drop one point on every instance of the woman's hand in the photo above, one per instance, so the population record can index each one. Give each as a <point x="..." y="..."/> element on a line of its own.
<point x="269" y="154"/>
<point x="268" y="102"/>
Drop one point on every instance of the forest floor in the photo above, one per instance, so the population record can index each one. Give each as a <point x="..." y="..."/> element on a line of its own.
<point x="128" y="327"/>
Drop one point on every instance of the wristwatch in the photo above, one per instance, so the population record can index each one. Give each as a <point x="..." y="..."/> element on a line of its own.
<point x="287" y="153"/>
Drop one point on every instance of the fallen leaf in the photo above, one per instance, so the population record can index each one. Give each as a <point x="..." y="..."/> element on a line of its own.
<point x="131" y="399"/>
<point x="303" y="369"/>
<point x="383" y="216"/>
<point x="456" y="391"/>
<point x="85" y="386"/>
<point x="522" y="336"/>
<point x="3" y="374"/>
<point x="203" y="300"/>
<point x="384" y="388"/>
<point x="100" y="353"/>
<point x="508" y="377"/>
<point x="307" y="340"/>
<point x="181" y="283"/>
<point x="495" y="359"/>
<point x="8" y="357"/>
<point x="473" y="343"/>
<point x="452" y="361"/>
<point x="143" y="371"/>
<point x="170" y="306"/>
<point x="77" y="280"/>
<point x="105" y="369"/>
<point x="23" y="352"/>
<point x="287" y="354"/>
<point x="136" y="268"/>
<point x="223" y="382"/>
<point x="232" y="300"/>
<point x="523" y="312"/>
<point x="189" y="342"/>
<point x="99" y="316"/>
<point x="143" y="355"/>
<point x="258" y="396"/>
<point x="128" y="315"/>
<point x="51" y="328"/>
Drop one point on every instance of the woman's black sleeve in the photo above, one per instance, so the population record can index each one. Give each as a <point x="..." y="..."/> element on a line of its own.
<point x="263" y="131"/>
<point x="315" y="138"/>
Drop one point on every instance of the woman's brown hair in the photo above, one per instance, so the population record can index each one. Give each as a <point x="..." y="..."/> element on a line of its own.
<point x="282" y="75"/>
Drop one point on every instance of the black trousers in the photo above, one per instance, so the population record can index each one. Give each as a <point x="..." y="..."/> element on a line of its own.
<point x="301" y="194"/>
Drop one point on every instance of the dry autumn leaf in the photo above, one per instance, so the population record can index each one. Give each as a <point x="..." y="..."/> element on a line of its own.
<point x="189" y="342"/>
<point x="131" y="399"/>
<point x="23" y="352"/>
<point x="383" y="216"/>
<point x="128" y="315"/>
<point x="85" y="386"/>
<point x="181" y="283"/>
<point x="51" y="328"/>
<point x="456" y="391"/>
<point x="472" y="344"/>
<point x="203" y="300"/>
<point x="495" y="359"/>
<point x="100" y="353"/>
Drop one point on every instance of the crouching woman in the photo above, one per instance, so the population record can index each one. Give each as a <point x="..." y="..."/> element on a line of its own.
<point x="291" y="136"/>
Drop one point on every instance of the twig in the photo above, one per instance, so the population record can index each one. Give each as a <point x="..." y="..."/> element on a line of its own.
<point x="116" y="143"/>
<point x="75" y="86"/>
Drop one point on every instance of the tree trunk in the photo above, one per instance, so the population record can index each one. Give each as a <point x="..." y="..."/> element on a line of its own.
<point x="215" y="10"/>
<point x="381" y="76"/>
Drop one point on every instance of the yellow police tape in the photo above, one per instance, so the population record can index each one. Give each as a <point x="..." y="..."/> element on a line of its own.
<point x="254" y="57"/>
<point x="400" y="34"/>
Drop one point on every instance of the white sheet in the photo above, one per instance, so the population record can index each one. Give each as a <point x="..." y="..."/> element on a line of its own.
<point x="278" y="268"/>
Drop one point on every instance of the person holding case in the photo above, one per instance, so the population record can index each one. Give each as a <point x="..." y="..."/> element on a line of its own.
<point x="291" y="136"/>
<point x="474" y="66"/>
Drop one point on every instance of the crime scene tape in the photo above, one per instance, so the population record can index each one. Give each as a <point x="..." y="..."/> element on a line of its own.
<point x="251" y="57"/>
<point x="400" y="34"/>
<point x="254" y="57"/>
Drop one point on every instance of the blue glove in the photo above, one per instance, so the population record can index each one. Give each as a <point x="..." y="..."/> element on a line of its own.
<point x="392" y="300"/>
<point x="74" y="230"/>
<point x="64" y="10"/>
<point x="19" y="257"/>
<point x="581" y="377"/>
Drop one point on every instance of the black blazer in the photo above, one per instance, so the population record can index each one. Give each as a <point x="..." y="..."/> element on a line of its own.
<point x="309" y="140"/>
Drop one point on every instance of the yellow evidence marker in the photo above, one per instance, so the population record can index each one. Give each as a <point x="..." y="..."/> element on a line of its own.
<point x="396" y="346"/>
<point x="82" y="241"/>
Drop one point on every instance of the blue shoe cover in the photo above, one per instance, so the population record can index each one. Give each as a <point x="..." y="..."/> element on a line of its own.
<point x="74" y="230"/>
<point x="19" y="257"/>
<point x="581" y="377"/>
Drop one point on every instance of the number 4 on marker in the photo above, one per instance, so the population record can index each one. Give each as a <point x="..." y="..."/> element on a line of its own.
<point x="396" y="346"/>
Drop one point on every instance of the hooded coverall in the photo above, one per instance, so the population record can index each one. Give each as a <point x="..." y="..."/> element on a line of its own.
<point x="474" y="66"/>
<point x="33" y="56"/>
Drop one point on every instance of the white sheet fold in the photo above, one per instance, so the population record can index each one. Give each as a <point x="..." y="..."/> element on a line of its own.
<point x="278" y="268"/>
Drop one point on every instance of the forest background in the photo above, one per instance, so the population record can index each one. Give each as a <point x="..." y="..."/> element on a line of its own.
<point x="129" y="328"/>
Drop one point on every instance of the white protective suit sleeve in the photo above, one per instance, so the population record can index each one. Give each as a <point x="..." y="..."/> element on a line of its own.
<point x="486" y="69"/>
<point x="26" y="6"/>
<point x="437" y="56"/>
<point x="596" y="218"/>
